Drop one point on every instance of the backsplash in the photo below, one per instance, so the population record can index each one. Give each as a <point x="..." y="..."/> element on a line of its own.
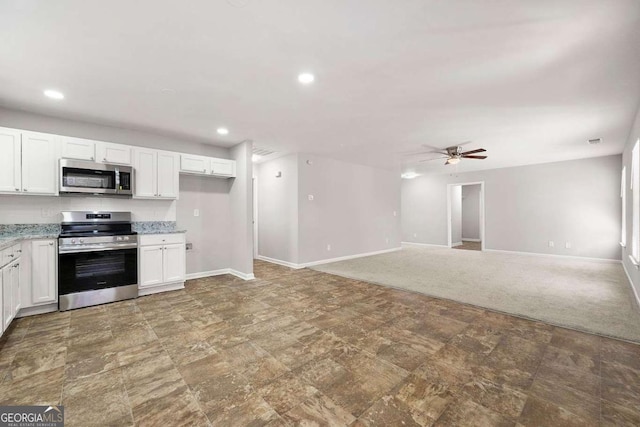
<point x="28" y="229"/>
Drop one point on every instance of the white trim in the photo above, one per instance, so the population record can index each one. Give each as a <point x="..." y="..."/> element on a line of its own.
<point x="482" y="213"/>
<point x="430" y="245"/>
<point x="280" y="262"/>
<point x="634" y="262"/>
<point x="464" y="239"/>
<point x="581" y="258"/>
<point x="453" y="245"/>
<point x="38" y="309"/>
<point x="243" y="276"/>
<point x="324" y="261"/>
<point x="254" y="214"/>
<point x="210" y="273"/>
<point x="633" y="289"/>
<point x="165" y="287"/>
<point x="344" y="258"/>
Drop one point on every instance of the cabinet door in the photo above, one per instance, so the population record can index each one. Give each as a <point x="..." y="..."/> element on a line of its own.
<point x="146" y="173"/>
<point x="174" y="263"/>
<point x="43" y="272"/>
<point x="39" y="163"/>
<point x="168" y="175"/>
<point x="150" y="266"/>
<point x="15" y="288"/>
<point x="195" y="164"/>
<point x="10" y="163"/>
<point x="7" y="305"/>
<point x="78" y="148"/>
<point x="222" y="167"/>
<point x="114" y="153"/>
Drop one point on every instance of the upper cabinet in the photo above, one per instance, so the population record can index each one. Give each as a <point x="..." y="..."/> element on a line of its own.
<point x="78" y="148"/>
<point x="113" y="153"/>
<point x="156" y="174"/>
<point x="95" y="151"/>
<point x="28" y="163"/>
<point x="200" y="165"/>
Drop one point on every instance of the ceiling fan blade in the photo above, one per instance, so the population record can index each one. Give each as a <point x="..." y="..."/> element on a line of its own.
<point x="474" y="157"/>
<point x="479" y="150"/>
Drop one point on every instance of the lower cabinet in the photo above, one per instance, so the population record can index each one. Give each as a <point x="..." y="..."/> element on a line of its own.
<point x="11" y="301"/>
<point x="161" y="263"/>
<point x="44" y="275"/>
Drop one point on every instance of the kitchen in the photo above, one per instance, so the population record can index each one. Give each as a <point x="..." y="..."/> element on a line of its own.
<point x="40" y="159"/>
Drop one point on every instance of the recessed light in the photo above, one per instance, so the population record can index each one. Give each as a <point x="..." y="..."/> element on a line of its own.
<point x="306" y="78"/>
<point x="223" y="131"/>
<point x="54" y="94"/>
<point x="255" y="157"/>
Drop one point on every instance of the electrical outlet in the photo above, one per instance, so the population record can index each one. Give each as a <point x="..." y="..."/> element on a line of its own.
<point x="415" y="234"/>
<point x="189" y="246"/>
<point x="196" y="212"/>
<point x="567" y="245"/>
<point x="387" y="240"/>
<point x="551" y="244"/>
<point x="395" y="213"/>
<point x="328" y="247"/>
<point x="310" y="197"/>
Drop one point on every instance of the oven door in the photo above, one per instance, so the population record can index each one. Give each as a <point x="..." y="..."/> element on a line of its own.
<point x="89" y="270"/>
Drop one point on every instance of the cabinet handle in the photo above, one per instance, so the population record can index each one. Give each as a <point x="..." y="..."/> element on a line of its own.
<point x="160" y="195"/>
<point x="19" y="251"/>
<point x="91" y="158"/>
<point x="50" y="243"/>
<point x="104" y="160"/>
<point x="204" y="171"/>
<point x="17" y="189"/>
<point x="25" y="189"/>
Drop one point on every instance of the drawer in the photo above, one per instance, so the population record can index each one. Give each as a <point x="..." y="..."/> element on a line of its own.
<point x="161" y="239"/>
<point x="11" y="253"/>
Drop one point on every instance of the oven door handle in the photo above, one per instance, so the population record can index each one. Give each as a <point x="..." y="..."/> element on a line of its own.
<point x="96" y="248"/>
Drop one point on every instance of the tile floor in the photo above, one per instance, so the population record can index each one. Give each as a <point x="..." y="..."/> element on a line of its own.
<point x="302" y="346"/>
<point x="469" y="246"/>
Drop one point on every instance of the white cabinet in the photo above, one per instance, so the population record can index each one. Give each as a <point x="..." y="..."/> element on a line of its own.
<point x="200" y="165"/>
<point x="43" y="272"/>
<point x="194" y="164"/>
<point x="10" y="163"/>
<point x="161" y="262"/>
<point x="113" y="153"/>
<point x="28" y="163"/>
<point x="10" y="292"/>
<point x="156" y="174"/>
<point x="39" y="163"/>
<point x="78" y="148"/>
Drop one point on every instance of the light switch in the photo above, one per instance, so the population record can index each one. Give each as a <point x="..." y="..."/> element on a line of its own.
<point x="196" y="212"/>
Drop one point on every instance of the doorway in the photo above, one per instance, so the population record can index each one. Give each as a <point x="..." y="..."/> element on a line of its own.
<point x="465" y="209"/>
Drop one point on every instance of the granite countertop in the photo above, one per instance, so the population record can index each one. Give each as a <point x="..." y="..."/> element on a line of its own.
<point x="156" y="227"/>
<point x="11" y="234"/>
<point x="143" y="232"/>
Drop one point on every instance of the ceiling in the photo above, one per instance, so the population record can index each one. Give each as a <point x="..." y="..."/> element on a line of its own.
<point x="530" y="81"/>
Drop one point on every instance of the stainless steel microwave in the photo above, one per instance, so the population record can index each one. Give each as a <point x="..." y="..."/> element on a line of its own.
<point x="80" y="177"/>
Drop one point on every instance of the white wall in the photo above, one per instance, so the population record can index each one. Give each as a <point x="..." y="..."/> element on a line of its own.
<point x="209" y="232"/>
<point x="352" y="209"/>
<point x="241" y="205"/>
<point x="278" y="209"/>
<point x="471" y="211"/>
<point x="525" y="207"/>
<point x="456" y="215"/>
<point x="632" y="271"/>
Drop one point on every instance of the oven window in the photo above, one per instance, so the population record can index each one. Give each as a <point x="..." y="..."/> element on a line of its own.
<point x="87" y="178"/>
<point x="97" y="270"/>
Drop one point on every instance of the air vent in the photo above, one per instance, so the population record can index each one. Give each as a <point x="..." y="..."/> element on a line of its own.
<point x="262" y="152"/>
<point x="595" y="141"/>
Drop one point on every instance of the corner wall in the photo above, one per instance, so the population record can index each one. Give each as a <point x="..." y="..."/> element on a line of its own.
<point x="574" y="201"/>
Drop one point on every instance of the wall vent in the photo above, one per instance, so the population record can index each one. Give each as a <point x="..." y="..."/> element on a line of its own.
<point x="262" y="152"/>
<point x="595" y="141"/>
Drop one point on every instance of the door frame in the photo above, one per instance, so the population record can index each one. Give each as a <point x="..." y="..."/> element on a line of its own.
<point x="482" y="214"/>
<point x="254" y="186"/>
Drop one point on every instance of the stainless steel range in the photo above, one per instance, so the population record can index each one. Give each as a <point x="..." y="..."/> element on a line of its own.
<point x="98" y="259"/>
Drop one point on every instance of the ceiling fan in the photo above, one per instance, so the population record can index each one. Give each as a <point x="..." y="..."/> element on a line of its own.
<point x="454" y="153"/>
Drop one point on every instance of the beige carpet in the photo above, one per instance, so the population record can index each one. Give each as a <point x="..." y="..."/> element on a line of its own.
<point x="583" y="295"/>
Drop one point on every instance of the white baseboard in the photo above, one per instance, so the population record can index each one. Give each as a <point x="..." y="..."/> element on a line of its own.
<point x="465" y="239"/>
<point x="279" y="262"/>
<point x="39" y="309"/>
<point x="426" y="245"/>
<point x="210" y="273"/>
<point x="344" y="258"/>
<point x="453" y="245"/>
<point x="161" y="288"/>
<point x="324" y="261"/>
<point x="633" y="288"/>
<point x="580" y="258"/>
